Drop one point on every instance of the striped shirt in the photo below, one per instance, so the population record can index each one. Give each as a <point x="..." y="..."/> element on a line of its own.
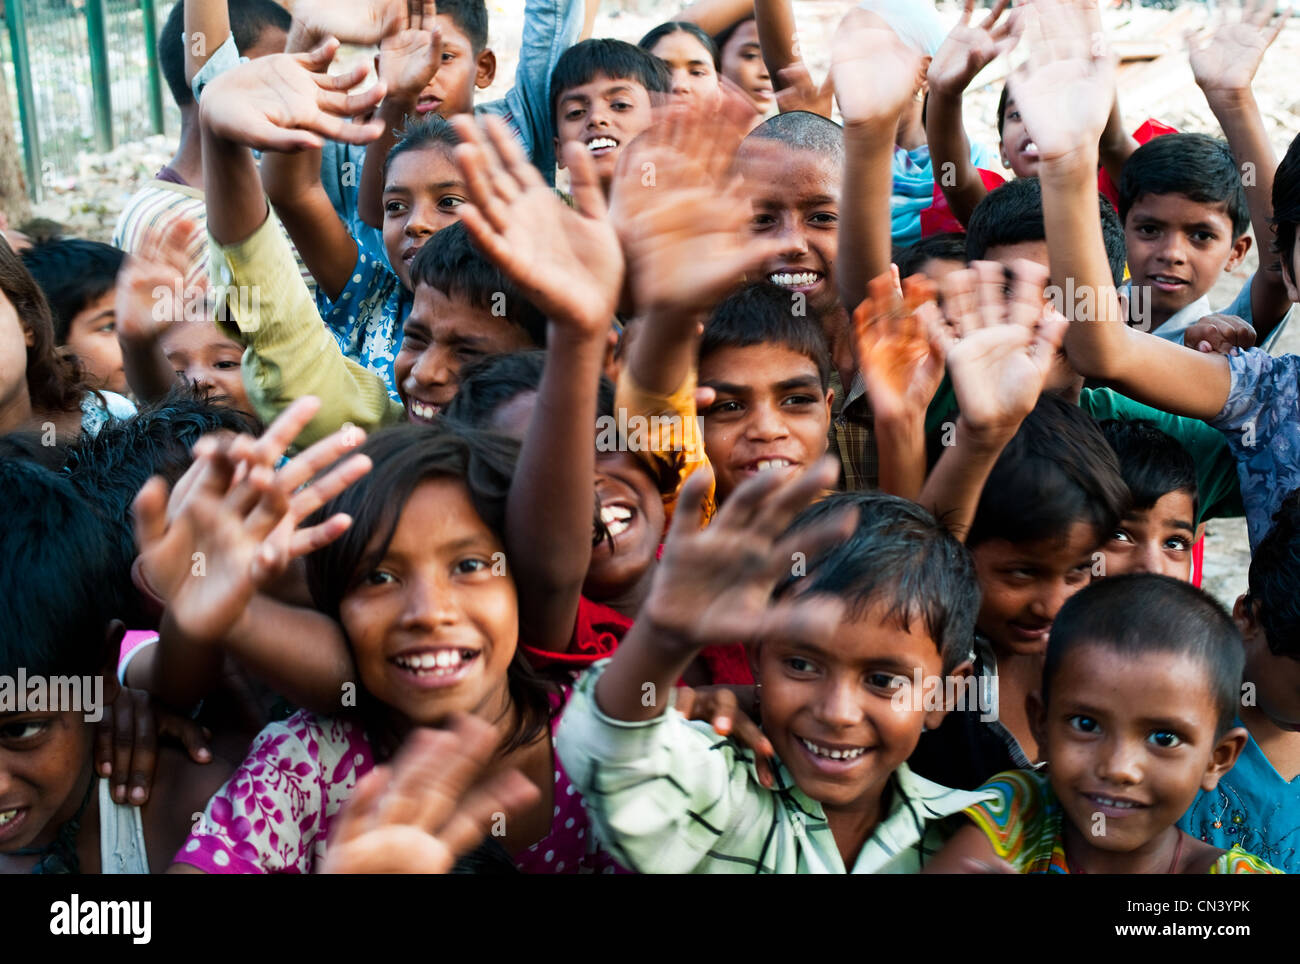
<point x="669" y="796"/>
<point x="160" y="204"/>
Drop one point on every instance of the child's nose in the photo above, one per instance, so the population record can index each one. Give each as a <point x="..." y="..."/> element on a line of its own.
<point x="838" y="706"/>
<point x="429" y="603"/>
<point x="1119" y="761"/>
<point x="767" y="423"/>
<point x="419" y="225"/>
<point x="795" y="242"/>
<point x="681" y="83"/>
<point x="431" y="368"/>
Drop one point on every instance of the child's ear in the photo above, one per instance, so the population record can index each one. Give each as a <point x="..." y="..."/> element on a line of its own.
<point x="1239" y="249"/>
<point x="1223" y="756"/>
<point x="559" y="158"/>
<point x="961" y="672"/>
<point x="830" y="403"/>
<point x="1244" y="615"/>
<point x="1037" y="711"/>
<point x="485" y="69"/>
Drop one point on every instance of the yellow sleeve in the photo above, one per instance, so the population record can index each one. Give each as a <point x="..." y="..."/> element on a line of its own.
<point x="263" y="303"/>
<point x="664" y="431"/>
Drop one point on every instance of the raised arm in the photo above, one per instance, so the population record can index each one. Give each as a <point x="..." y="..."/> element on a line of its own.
<point x="568" y="262"/>
<point x="408" y="61"/>
<point x="1064" y="93"/>
<point x="875" y="74"/>
<point x="1224" y="62"/>
<point x="207" y="25"/>
<point x="142" y="317"/>
<point x="715" y="16"/>
<point x="999" y="352"/>
<point x="968" y="49"/>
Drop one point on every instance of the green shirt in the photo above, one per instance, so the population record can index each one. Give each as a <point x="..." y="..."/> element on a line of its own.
<point x="1218" y="489"/>
<point x="669" y="795"/>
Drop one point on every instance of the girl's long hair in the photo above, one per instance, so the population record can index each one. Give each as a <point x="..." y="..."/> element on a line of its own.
<point x="55" y="382"/>
<point x="404" y="457"/>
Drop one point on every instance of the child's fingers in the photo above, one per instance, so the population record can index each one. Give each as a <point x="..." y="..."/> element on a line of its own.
<point x="811" y="541"/>
<point x="286" y="427"/>
<point x="195" y="738"/>
<point x="320" y="455"/>
<point x="684" y="701"/>
<point x="432" y="772"/>
<point x="994" y="14"/>
<point x="990" y="297"/>
<point x="270" y="506"/>
<point x="514" y="161"/>
<point x="319" y="58"/>
<point x="809" y="618"/>
<point x="485" y="808"/>
<point x="688" y="515"/>
<point x="481" y="182"/>
<point x="149" y="512"/>
<point x="358" y="813"/>
<point x="1027" y="281"/>
<point x="308" y="540"/>
<point x="332" y="483"/>
<point x="775" y="513"/>
<point x="584" y="184"/>
<point x="959" y="302"/>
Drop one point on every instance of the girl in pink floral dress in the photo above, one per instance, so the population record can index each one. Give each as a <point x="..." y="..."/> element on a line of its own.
<point x="421" y="589"/>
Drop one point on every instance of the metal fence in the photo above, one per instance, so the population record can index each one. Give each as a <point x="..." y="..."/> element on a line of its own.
<point x="84" y="77"/>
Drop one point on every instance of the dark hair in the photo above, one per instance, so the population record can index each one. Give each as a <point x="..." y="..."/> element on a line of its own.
<point x="1012" y="213"/>
<point x="899" y="555"/>
<point x="1286" y="206"/>
<point x="249" y="19"/>
<point x="452" y="263"/>
<point x="1153" y="463"/>
<point x="1196" y="165"/>
<point x="762" y="313"/>
<point x="647" y="43"/>
<point x="724" y="35"/>
<point x="58" y="586"/>
<point x="55" y="382"/>
<point x="490" y="382"/>
<point x="1056" y="470"/>
<point x="470" y="17"/>
<point x="31" y="446"/>
<point x="428" y="131"/>
<point x="109" y="469"/>
<point x="1143" y="613"/>
<point x="72" y="273"/>
<point x="804" y="131"/>
<point x="948" y="246"/>
<point x="1274" y="580"/>
<point x="616" y="59"/>
<point x="1002" y="107"/>
<point x="403" y="458"/>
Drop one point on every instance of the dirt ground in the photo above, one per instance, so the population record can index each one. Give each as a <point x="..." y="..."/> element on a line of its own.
<point x="1162" y="88"/>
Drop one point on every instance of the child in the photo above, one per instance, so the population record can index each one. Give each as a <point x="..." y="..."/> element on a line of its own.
<point x="1159" y="528"/>
<point x="463" y="306"/>
<point x="740" y="60"/>
<point x="1052" y="500"/>
<point x="1139" y="690"/>
<point x="40" y="389"/>
<point x="59" y="602"/>
<point x="1185" y="221"/>
<point x="78" y="279"/>
<point x="935" y="256"/>
<point x="1255" y="804"/>
<point x="602" y="92"/>
<point x="835" y="653"/>
<point x="429" y="611"/>
<point x="968" y="49"/>
<point x="692" y="58"/>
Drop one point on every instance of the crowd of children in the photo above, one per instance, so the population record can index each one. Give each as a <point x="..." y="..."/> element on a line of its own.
<point x="782" y="493"/>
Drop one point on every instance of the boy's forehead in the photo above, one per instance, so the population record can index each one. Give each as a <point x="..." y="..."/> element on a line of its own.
<point x="1161" y="684"/>
<point x="774" y="169"/>
<point x="756" y="366"/>
<point x="604" y="85"/>
<point x="451" y="33"/>
<point x="1176" y="208"/>
<point x="196" y="337"/>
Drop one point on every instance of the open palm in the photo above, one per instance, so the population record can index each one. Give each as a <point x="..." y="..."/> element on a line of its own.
<point x="899" y="364"/>
<point x="567" y="260"/>
<point x="1226" y="57"/>
<point x="969" y="48"/>
<point x="873" y="72"/>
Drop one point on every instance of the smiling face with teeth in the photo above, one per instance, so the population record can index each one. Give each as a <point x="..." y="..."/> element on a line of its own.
<point x="1018" y="150"/>
<point x="831" y="713"/>
<point x="795" y="197"/>
<point x="44" y="765"/>
<point x="603" y="115"/>
<point x="1177" y="249"/>
<point x="433" y="625"/>
<point x="1133" y="738"/>
<point x="770" y="413"/>
<point x="632" y="511"/>
<point x="441" y="335"/>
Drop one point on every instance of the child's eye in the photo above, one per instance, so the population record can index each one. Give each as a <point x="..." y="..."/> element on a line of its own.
<point x="699" y="72"/>
<point x="800" y="665"/>
<point x="1084" y="724"/>
<point x="886" y="681"/>
<point x="1147" y="230"/>
<point x="447" y="55"/>
<point x="574" y="114"/>
<point x="473" y="565"/>
<point x="760" y="221"/>
<point x="413" y="338"/>
<point x="1165" y="740"/>
<point x="1203" y="237"/>
<point x="824" y="217"/>
<point x="23" y="730"/>
<point x="1119" y="535"/>
<point x="795" y="400"/>
<point x="728" y="407"/>
<point x="226" y="366"/>
<point x="1177" y="544"/>
<point x="379" y="578"/>
<point x="621" y="105"/>
<point x="450" y="201"/>
<point x="110" y="326"/>
<point x="1014" y="115"/>
<point x="394" y="207"/>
